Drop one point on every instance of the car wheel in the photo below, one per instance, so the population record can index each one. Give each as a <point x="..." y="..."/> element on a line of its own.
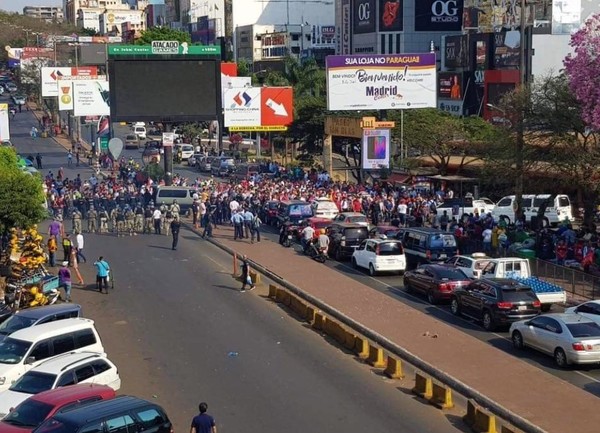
<point x="455" y="307"/>
<point x="517" y="340"/>
<point x="488" y="321"/>
<point x="431" y="298"/>
<point x="560" y="357"/>
<point x="372" y="271"/>
<point x="354" y="263"/>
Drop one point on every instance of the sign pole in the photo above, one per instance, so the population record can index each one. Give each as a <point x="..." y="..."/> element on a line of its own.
<point x="258" y="142"/>
<point x="168" y="143"/>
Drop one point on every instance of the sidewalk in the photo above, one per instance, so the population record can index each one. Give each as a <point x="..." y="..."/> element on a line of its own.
<point x="545" y="400"/>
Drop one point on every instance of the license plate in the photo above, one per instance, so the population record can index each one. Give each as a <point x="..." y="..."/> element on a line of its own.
<point x="522" y="307"/>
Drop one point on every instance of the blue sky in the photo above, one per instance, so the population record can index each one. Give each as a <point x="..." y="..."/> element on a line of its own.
<point x="18" y="5"/>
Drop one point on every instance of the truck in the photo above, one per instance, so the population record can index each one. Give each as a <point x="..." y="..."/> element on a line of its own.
<point x="468" y="205"/>
<point x="518" y="269"/>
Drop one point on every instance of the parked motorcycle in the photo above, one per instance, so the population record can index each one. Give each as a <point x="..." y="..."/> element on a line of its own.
<point x="286" y="234"/>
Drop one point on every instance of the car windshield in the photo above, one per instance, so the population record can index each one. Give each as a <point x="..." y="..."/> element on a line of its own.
<point x="14" y="323"/>
<point x="302" y="210"/>
<point x="357" y="219"/>
<point x="12" y="351"/>
<point x="390" y="249"/>
<point x="584" y="329"/>
<point x="56" y="426"/>
<point x="356" y="233"/>
<point x="518" y="295"/>
<point x="30" y="413"/>
<point x="34" y="382"/>
<point x="450" y="274"/>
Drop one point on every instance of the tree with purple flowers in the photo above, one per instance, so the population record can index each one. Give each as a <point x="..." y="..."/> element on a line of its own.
<point x="582" y="69"/>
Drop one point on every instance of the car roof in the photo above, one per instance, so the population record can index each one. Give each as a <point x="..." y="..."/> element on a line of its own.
<point x="293" y="202"/>
<point x="471" y="257"/>
<point x="348" y="225"/>
<point x="50" y="329"/>
<point x="46" y="310"/>
<point x="569" y="318"/>
<point x="102" y="409"/>
<point x="426" y="230"/>
<point x="67" y="394"/>
<point x="381" y="241"/>
<point x="592" y="301"/>
<point x="59" y="363"/>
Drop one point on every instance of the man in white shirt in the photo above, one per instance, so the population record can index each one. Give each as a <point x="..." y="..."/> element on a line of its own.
<point x="402" y="209"/>
<point x="157" y="217"/>
<point x="307" y="234"/>
<point x="487" y="240"/>
<point x="79" y="245"/>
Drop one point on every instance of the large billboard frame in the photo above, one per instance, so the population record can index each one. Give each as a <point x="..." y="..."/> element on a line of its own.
<point x="215" y="58"/>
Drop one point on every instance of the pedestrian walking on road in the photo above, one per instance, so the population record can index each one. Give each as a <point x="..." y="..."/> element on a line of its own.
<point x="69" y="158"/>
<point x="157" y="217"/>
<point x="246" y="279"/>
<point x="102" y="274"/>
<point x="79" y="246"/>
<point x="64" y="279"/>
<point x="175" y="227"/>
<point x="67" y="245"/>
<point x="203" y="422"/>
<point x="38" y="160"/>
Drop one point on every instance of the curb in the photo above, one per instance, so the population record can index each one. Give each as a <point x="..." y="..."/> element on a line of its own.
<point x="443" y="377"/>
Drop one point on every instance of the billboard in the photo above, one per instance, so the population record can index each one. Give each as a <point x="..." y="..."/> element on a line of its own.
<point x="487" y="16"/>
<point x="507" y="51"/>
<point x="258" y="106"/>
<point x="456" y="52"/>
<point x="50" y="77"/>
<point x="566" y="16"/>
<point x="90" y="98"/>
<point x="363" y="16"/>
<point x="453" y="107"/>
<point x="391" y="15"/>
<point x="450" y="85"/>
<point x="346" y="36"/>
<point x="438" y="15"/>
<point x="4" y="128"/>
<point x="375" y="149"/>
<point x="379" y="82"/>
<point x="184" y="88"/>
<point x="65" y="98"/>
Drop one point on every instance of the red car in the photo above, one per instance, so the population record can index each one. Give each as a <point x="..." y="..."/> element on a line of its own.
<point x="28" y="415"/>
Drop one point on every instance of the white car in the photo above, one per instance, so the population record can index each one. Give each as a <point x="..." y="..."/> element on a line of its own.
<point x="325" y="208"/>
<point x="568" y="338"/>
<point x="590" y="309"/>
<point x="195" y="159"/>
<point x="352" y="217"/>
<point x="472" y="265"/>
<point x="380" y="255"/>
<point x="187" y="150"/>
<point x="63" y="370"/>
<point x="140" y="131"/>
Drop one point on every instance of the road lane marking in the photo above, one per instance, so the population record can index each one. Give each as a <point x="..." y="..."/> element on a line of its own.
<point x="587" y="376"/>
<point x="215" y="262"/>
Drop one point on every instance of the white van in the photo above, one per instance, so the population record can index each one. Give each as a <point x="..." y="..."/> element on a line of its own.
<point x="187" y="150"/>
<point x="183" y="194"/>
<point x="28" y="347"/>
<point x="140" y="131"/>
<point x="325" y="208"/>
<point x="557" y="210"/>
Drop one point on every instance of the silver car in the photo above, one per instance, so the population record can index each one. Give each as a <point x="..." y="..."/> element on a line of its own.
<point x="590" y="309"/>
<point x="569" y="338"/>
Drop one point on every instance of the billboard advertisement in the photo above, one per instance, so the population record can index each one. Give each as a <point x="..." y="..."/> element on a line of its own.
<point x="391" y="15"/>
<point x="487" y="16"/>
<point x="507" y="51"/>
<point x="375" y="149"/>
<point x="379" y="82"/>
<point x="258" y="106"/>
<point x="453" y="107"/>
<point x="4" y="129"/>
<point x="438" y="15"/>
<point x="456" y="52"/>
<point x="184" y="89"/>
<point x="345" y="35"/>
<point x="363" y="16"/>
<point x="50" y="77"/>
<point x="65" y="98"/>
<point x="90" y="98"/>
<point x="450" y="85"/>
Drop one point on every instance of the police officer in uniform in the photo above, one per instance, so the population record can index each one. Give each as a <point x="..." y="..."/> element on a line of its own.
<point x="103" y="220"/>
<point x="163" y="212"/>
<point x="113" y="219"/>
<point x="168" y="220"/>
<point x="175" y="209"/>
<point x="92" y="216"/>
<point x="139" y="218"/>
<point x="120" y="217"/>
<point x="130" y="220"/>
<point x="77" y="221"/>
<point x="148" y="223"/>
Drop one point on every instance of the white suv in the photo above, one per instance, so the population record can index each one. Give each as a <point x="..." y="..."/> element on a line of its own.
<point x="67" y="369"/>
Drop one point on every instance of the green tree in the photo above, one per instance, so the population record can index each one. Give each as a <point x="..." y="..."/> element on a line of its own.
<point x="163" y="34"/>
<point x="21" y="194"/>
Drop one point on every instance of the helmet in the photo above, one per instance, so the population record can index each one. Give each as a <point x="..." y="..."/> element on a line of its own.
<point x="323" y="231"/>
<point x="33" y="291"/>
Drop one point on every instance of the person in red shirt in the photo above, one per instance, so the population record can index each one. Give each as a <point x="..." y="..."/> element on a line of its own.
<point x="561" y="252"/>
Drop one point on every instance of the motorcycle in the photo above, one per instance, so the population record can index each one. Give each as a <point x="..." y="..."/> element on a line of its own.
<point x="313" y="250"/>
<point x="286" y="235"/>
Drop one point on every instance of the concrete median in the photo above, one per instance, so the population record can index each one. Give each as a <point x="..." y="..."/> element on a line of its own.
<point x="320" y="321"/>
<point x="361" y="347"/>
<point x="376" y="358"/>
<point x="480" y="420"/>
<point x="393" y="368"/>
<point x="441" y="396"/>
<point x="273" y="291"/>
<point x="423" y="386"/>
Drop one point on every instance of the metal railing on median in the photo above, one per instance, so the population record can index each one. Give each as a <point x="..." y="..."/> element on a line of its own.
<point x="573" y="281"/>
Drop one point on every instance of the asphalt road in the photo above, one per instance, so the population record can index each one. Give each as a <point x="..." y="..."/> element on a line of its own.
<point x="180" y="332"/>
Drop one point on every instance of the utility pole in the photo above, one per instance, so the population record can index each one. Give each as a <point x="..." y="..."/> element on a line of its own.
<point x="520" y="139"/>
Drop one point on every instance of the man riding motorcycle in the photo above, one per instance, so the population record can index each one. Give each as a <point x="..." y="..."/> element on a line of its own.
<point x="307" y="235"/>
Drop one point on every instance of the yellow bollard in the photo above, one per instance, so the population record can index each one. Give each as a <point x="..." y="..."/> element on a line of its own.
<point x="361" y="347"/>
<point x="422" y="386"/>
<point x="393" y="370"/>
<point x="273" y="291"/>
<point x="441" y="396"/>
<point x="320" y="321"/>
<point x="311" y="312"/>
<point x="376" y="357"/>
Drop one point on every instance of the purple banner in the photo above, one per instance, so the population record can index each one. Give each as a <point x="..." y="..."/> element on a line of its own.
<point x="381" y="61"/>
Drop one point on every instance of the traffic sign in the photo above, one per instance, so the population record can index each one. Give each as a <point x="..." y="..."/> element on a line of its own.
<point x="277" y="106"/>
<point x="258" y="128"/>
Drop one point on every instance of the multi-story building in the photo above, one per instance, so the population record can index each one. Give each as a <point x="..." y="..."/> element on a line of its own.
<point x="46" y="13"/>
<point x="106" y="16"/>
<point x="248" y="45"/>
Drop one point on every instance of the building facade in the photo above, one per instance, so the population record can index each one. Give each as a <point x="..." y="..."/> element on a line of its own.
<point x="46" y="13"/>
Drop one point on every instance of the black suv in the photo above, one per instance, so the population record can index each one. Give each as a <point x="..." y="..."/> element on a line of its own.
<point x="294" y="212"/>
<point x="121" y="414"/>
<point x="344" y="238"/>
<point x="495" y="301"/>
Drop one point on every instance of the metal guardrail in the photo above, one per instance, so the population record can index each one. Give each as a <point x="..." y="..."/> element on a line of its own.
<point x="573" y="281"/>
